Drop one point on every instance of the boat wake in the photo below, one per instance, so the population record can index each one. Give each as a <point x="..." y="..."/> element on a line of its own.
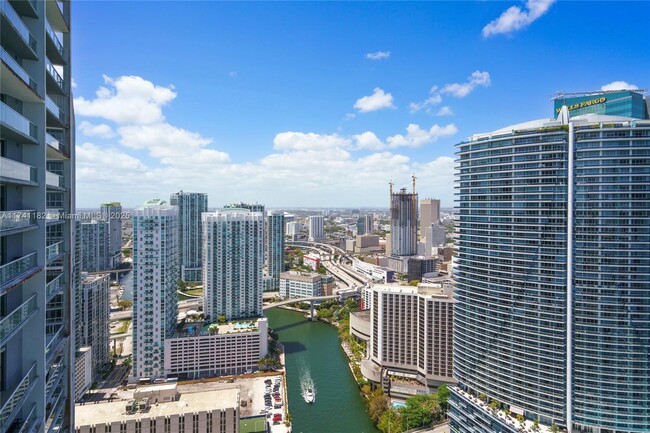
<point x="307" y="388"/>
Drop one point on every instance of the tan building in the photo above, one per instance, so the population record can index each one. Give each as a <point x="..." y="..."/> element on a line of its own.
<point x="429" y="214"/>
<point x="411" y="337"/>
<point x="205" y="412"/>
<point x="367" y="244"/>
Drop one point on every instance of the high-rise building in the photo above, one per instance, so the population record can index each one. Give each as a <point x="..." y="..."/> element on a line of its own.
<point x="403" y="222"/>
<point x="253" y="207"/>
<point x="316" y="228"/>
<point x="552" y="320"/>
<point x="293" y="228"/>
<point x="411" y="332"/>
<point x="233" y="259"/>
<point x="94" y="318"/>
<point x="429" y="214"/>
<point x="37" y="189"/>
<point x="274" y="247"/>
<point x="112" y="214"/>
<point x="155" y="284"/>
<point x="365" y="225"/>
<point x="190" y="235"/>
<point x="434" y="235"/>
<point x="95" y="246"/>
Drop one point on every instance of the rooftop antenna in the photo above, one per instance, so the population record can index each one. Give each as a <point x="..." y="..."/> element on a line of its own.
<point x="413" y="177"/>
<point x="391" y="187"/>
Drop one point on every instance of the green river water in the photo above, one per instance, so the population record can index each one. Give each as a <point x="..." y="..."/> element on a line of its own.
<point x="313" y="351"/>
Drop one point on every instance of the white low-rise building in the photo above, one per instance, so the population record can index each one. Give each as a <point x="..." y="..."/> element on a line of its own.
<point x="206" y="412"/>
<point x="201" y="350"/>
<point x="376" y="273"/>
<point x="301" y="285"/>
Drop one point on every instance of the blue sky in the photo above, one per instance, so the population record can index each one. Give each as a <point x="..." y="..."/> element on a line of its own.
<point x="322" y="104"/>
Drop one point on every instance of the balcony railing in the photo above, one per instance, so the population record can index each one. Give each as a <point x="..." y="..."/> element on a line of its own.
<point x="10" y="323"/>
<point x="53" y="287"/>
<point x="53" y="251"/>
<point x="53" y="179"/>
<point x="10" y="169"/>
<point x="15" y="268"/>
<point x="55" y="108"/>
<point x="29" y="423"/>
<point x="17" y="121"/>
<point x="16" y="219"/>
<point x="18" y="24"/>
<point x="54" y="74"/>
<point x="55" y="38"/>
<point x="18" y="70"/>
<point x="15" y="398"/>
<point x="51" y="141"/>
<point x="52" y="215"/>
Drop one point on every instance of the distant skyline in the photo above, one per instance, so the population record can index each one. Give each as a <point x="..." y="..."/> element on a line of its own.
<point x="316" y="105"/>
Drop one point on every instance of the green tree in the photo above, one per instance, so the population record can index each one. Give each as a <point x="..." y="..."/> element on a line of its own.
<point x="221" y="318"/>
<point x="321" y="270"/>
<point x="182" y="286"/>
<point x="554" y="428"/>
<point x="377" y="405"/>
<point x="124" y="304"/>
<point x="443" y="395"/>
<point x="325" y="313"/>
<point x="421" y="410"/>
<point x="127" y="362"/>
<point x="414" y="283"/>
<point x="390" y="421"/>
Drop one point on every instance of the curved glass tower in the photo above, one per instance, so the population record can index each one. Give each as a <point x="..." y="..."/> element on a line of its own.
<point x="552" y="320"/>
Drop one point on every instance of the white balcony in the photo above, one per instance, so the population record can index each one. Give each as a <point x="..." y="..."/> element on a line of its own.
<point x="14" y="126"/>
<point x="15" y="33"/>
<point x="14" y="221"/>
<point x="17" y="70"/>
<point x="16" y="319"/>
<point x="53" y="180"/>
<point x="13" y="272"/>
<point x="16" y="172"/>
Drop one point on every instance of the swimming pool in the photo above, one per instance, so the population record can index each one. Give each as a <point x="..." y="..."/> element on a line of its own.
<point x="398" y="404"/>
<point x="242" y="325"/>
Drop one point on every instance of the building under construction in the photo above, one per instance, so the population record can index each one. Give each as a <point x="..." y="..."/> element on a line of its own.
<point x="403" y="222"/>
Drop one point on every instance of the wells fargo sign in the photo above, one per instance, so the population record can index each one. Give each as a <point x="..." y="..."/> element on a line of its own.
<point x="584" y="104"/>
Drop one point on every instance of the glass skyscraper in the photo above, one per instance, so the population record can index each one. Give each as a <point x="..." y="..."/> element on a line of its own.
<point x="552" y="320"/>
<point x="190" y="235"/>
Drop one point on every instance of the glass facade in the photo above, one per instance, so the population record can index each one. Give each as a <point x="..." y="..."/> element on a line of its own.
<point x="539" y="208"/>
<point x="623" y="103"/>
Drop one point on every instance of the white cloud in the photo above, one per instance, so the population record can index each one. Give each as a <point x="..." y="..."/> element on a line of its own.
<point x="460" y="90"/>
<point x="91" y="130"/>
<point x="368" y="140"/>
<point x="232" y="74"/>
<point x="378" y="55"/>
<point x="308" y="141"/>
<point x="514" y="18"/>
<point x="129" y="100"/>
<point x="349" y="116"/>
<point x="417" y="137"/>
<point x="74" y="84"/>
<point x="619" y="85"/>
<point x="434" y="99"/>
<point x="445" y="111"/>
<point x="304" y="168"/>
<point x="377" y="101"/>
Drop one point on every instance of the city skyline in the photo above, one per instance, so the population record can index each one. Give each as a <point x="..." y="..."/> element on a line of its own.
<point x="330" y="103"/>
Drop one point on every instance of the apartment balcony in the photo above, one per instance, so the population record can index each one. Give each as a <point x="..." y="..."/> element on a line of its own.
<point x="16" y="81"/>
<point x="16" y="221"/>
<point x="15" y="398"/>
<point x="56" y="116"/>
<point x="53" y="380"/>
<point x="18" y="173"/>
<point x="54" y="251"/>
<point x="54" y="345"/>
<point x="17" y="271"/>
<point x="14" y="126"/>
<point x="15" y="320"/>
<point x="54" y="181"/>
<point x="53" y="287"/>
<point x="15" y="33"/>
<point x="54" y="415"/>
<point x="54" y="46"/>
<point x="56" y="148"/>
<point x="56" y="16"/>
<point x="55" y="84"/>
<point x="54" y="216"/>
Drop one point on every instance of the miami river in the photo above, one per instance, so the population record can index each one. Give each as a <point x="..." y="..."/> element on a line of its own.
<point x="313" y="352"/>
